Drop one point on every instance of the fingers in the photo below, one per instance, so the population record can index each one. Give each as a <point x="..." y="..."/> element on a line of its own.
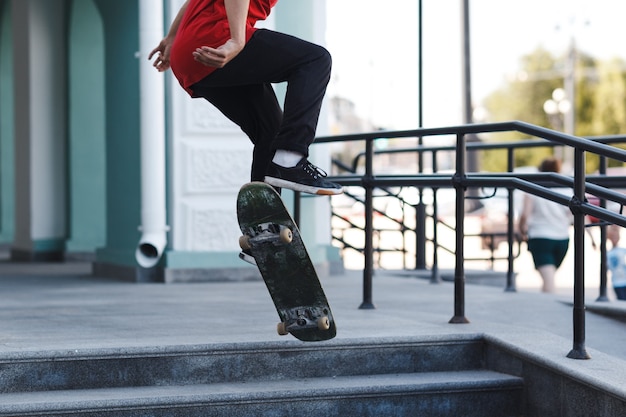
<point x="160" y="63"/>
<point x="212" y="57"/>
<point x="208" y="56"/>
<point x="211" y="52"/>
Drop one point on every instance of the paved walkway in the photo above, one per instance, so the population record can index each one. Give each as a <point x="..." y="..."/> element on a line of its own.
<point x="62" y="307"/>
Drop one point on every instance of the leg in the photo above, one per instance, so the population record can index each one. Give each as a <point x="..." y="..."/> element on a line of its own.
<point x="272" y="57"/>
<point x="543" y="258"/>
<point x="547" y="273"/>
<point x="255" y="109"/>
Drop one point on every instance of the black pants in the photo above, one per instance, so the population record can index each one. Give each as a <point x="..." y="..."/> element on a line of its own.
<point x="242" y="91"/>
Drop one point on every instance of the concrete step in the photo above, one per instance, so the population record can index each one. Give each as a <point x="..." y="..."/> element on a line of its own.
<point x="469" y="393"/>
<point x="431" y="375"/>
<point x="222" y="363"/>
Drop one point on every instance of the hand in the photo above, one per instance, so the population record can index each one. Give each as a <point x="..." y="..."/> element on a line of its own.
<point x="522" y="233"/>
<point x="162" y="61"/>
<point x="220" y="56"/>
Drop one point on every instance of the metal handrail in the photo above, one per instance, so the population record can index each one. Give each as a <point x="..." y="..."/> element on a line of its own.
<point x="461" y="180"/>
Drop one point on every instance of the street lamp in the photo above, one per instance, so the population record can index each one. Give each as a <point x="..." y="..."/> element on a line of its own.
<point x="558" y="108"/>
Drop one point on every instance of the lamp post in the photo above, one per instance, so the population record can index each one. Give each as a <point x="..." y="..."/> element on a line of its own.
<point x="566" y="96"/>
<point x="559" y="109"/>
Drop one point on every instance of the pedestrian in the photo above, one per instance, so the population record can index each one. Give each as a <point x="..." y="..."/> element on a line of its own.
<point x="545" y="225"/>
<point x="216" y="53"/>
<point x="616" y="261"/>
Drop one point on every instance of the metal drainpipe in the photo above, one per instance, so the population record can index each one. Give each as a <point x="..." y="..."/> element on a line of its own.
<point x="152" y="103"/>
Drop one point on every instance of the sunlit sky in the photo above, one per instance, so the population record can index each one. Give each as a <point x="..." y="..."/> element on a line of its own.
<point x="375" y="58"/>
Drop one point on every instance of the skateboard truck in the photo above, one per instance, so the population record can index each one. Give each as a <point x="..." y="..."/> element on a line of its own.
<point x="301" y="318"/>
<point x="265" y="232"/>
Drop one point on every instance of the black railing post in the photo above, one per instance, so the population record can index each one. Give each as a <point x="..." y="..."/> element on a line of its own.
<point x="420" y="232"/>
<point x="459" y="271"/>
<point x="510" y="274"/>
<point x="368" y="252"/>
<point x="420" y="216"/>
<point x="602" y="296"/>
<point x="578" y="350"/>
<point x="435" y="278"/>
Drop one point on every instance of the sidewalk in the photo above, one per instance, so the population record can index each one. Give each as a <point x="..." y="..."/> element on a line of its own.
<point x="47" y="307"/>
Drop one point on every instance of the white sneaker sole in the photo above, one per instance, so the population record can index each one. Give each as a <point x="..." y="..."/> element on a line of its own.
<point x="277" y="182"/>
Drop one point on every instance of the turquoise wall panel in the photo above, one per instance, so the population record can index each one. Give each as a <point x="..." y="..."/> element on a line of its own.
<point x="87" y="145"/>
<point x="123" y="199"/>
<point x="7" y="151"/>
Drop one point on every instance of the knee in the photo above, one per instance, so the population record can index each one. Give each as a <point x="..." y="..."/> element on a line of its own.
<point x="324" y="61"/>
<point x="327" y="60"/>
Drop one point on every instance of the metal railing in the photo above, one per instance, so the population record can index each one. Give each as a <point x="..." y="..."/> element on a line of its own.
<point x="461" y="180"/>
<point x="489" y="238"/>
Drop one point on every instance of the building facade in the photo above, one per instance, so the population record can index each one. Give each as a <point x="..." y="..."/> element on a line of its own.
<point x="103" y="157"/>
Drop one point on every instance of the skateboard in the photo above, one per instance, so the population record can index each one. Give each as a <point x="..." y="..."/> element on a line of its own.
<point x="273" y="239"/>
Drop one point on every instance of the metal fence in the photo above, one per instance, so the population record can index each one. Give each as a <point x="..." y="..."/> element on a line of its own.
<point x="465" y="183"/>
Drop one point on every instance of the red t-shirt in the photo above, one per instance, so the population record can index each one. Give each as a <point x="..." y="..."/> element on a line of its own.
<point x="205" y="24"/>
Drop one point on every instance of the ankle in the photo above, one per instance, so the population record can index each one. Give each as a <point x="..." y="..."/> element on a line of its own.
<point x="287" y="159"/>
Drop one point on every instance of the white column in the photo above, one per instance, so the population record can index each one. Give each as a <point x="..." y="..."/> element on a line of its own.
<point x="40" y="126"/>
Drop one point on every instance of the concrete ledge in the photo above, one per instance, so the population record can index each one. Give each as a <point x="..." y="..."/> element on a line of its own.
<point x="555" y="384"/>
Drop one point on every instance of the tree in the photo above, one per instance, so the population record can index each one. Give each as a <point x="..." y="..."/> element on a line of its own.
<point x="522" y="99"/>
<point x="609" y="110"/>
<point x="600" y="103"/>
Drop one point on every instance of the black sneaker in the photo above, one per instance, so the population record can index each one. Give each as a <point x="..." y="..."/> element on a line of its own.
<point x="304" y="177"/>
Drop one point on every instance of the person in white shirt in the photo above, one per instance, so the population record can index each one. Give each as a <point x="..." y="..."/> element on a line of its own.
<point x="616" y="262"/>
<point x="545" y="225"/>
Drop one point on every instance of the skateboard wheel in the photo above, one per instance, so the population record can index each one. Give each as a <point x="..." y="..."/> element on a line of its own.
<point x="244" y="242"/>
<point x="281" y="328"/>
<point x="286" y="235"/>
<point x="323" y="323"/>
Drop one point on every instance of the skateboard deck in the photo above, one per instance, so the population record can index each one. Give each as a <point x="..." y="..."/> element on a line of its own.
<point x="274" y="241"/>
